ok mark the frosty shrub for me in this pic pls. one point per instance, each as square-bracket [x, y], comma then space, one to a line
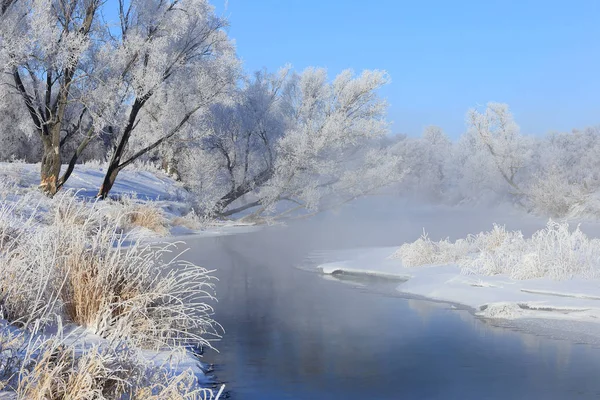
[424, 251]
[553, 252]
[489, 241]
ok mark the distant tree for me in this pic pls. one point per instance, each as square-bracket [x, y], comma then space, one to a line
[16, 128]
[565, 174]
[427, 158]
[496, 131]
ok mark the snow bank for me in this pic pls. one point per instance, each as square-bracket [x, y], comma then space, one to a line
[74, 363]
[437, 271]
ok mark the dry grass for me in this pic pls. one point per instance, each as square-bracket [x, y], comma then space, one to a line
[149, 217]
[132, 214]
[82, 269]
[76, 265]
[53, 368]
[26, 283]
[131, 292]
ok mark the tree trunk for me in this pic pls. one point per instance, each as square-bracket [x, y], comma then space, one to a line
[75, 157]
[115, 162]
[50, 168]
[244, 189]
[109, 181]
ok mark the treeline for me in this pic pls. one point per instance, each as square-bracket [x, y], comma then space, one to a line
[555, 175]
[163, 84]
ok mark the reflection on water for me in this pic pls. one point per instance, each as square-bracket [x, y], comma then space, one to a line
[290, 334]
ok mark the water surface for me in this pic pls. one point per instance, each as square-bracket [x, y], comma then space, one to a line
[292, 334]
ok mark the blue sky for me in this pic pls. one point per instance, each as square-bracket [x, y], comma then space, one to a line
[540, 57]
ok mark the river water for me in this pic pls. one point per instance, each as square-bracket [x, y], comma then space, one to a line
[293, 334]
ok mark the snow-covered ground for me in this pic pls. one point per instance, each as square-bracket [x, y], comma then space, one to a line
[137, 185]
[87, 179]
[489, 296]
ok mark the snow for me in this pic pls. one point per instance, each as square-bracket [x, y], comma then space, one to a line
[488, 296]
[140, 184]
[87, 179]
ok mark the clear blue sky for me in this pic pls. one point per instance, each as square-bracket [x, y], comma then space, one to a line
[540, 57]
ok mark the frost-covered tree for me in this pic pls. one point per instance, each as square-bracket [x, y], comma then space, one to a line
[323, 159]
[43, 43]
[87, 84]
[170, 61]
[297, 139]
[496, 132]
[427, 158]
[565, 178]
[238, 154]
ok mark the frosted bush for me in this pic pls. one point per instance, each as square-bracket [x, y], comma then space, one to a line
[496, 258]
[561, 254]
[488, 241]
[553, 252]
[424, 251]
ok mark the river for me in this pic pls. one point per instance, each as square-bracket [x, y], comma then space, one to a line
[292, 333]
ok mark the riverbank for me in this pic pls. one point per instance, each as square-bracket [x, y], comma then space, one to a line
[94, 298]
[568, 309]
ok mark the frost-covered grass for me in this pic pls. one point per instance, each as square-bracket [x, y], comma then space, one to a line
[81, 267]
[68, 261]
[56, 367]
[132, 214]
[554, 252]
